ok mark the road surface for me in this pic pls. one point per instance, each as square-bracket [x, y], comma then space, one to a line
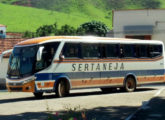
[115, 105]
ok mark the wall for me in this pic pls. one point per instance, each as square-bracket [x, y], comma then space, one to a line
[140, 17]
[8, 43]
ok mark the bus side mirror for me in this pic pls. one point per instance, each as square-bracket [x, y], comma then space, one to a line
[39, 53]
[61, 57]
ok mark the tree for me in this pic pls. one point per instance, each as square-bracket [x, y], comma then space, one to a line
[46, 30]
[94, 28]
[67, 30]
[28, 34]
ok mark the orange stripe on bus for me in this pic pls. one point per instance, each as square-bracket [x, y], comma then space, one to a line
[150, 79]
[76, 83]
[42, 39]
[115, 81]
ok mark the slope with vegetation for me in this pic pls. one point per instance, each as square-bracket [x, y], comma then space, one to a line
[20, 19]
[71, 12]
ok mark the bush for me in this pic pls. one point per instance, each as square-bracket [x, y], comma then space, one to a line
[46, 30]
[29, 34]
[67, 30]
[93, 28]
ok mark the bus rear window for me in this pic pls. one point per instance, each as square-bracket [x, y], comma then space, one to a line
[155, 50]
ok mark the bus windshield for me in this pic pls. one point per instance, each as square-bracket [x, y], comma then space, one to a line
[22, 61]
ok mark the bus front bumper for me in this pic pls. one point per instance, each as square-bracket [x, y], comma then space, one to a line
[19, 87]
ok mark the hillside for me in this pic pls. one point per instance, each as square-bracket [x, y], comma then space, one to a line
[20, 19]
[22, 15]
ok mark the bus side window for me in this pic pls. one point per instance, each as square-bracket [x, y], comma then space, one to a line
[144, 51]
[90, 51]
[47, 55]
[127, 51]
[103, 51]
[71, 50]
[155, 50]
[112, 51]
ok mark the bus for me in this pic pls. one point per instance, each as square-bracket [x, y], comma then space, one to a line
[61, 63]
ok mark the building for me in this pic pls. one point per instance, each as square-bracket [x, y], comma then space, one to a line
[2, 31]
[141, 24]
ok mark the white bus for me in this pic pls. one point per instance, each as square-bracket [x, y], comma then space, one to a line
[60, 63]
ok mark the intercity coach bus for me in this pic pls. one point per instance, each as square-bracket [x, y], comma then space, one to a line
[60, 63]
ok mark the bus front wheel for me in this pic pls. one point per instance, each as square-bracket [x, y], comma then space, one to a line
[62, 89]
[130, 84]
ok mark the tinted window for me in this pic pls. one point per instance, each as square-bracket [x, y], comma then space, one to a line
[112, 51]
[127, 50]
[90, 51]
[143, 51]
[155, 50]
[71, 50]
[47, 55]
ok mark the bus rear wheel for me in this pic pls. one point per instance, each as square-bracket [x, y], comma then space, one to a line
[38, 95]
[62, 89]
[130, 84]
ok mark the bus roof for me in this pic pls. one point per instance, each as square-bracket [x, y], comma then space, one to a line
[86, 39]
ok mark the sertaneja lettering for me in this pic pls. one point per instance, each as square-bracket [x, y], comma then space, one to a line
[97, 67]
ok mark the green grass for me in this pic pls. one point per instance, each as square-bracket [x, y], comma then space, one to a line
[71, 12]
[162, 3]
[20, 19]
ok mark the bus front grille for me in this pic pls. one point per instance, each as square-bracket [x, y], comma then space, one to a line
[15, 84]
[16, 88]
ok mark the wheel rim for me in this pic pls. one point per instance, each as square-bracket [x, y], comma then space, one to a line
[130, 84]
[61, 89]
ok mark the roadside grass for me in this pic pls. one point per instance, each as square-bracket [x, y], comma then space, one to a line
[21, 19]
[69, 113]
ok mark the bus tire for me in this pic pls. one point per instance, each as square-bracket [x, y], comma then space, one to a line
[130, 84]
[38, 95]
[62, 89]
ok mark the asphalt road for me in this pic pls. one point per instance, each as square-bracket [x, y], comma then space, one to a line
[115, 105]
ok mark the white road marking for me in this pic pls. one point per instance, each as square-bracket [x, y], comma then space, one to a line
[159, 92]
[145, 104]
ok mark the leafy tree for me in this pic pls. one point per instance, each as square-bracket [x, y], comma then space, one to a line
[94, 28]
[46, 30]
[28, 34]
[67, 30]
[80, 31]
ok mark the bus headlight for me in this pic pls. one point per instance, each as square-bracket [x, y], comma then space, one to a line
[29, 80]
